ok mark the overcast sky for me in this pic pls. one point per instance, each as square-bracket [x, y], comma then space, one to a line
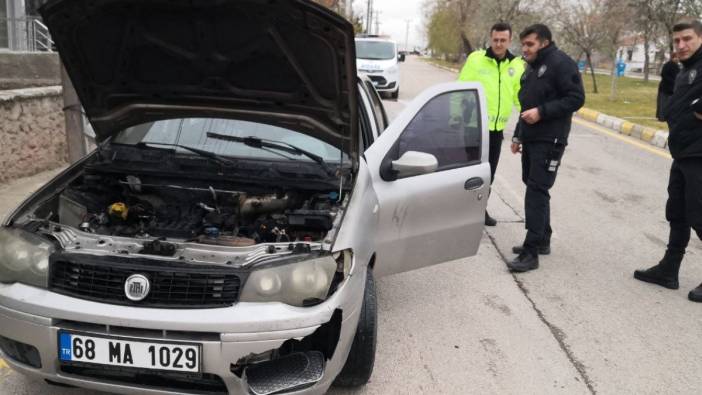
[393, 17]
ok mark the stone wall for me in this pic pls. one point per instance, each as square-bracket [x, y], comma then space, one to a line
[26, 70]
[32, 132]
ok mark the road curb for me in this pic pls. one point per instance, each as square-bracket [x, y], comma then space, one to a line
[658, 138]
[445, 68]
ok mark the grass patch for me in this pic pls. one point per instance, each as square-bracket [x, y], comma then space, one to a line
[635, 102]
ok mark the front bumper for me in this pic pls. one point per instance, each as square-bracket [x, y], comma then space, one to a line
[34, 317]
[383, 81]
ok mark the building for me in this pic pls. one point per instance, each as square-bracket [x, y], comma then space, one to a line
[21, 29]
[633, 53]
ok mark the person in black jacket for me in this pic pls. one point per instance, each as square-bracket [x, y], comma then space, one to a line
[684, 116]
[670, 70]
[551, 91]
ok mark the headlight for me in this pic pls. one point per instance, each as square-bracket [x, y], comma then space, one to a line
[24, 257]
[296, 284]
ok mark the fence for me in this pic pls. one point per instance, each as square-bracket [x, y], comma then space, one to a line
[25, 35]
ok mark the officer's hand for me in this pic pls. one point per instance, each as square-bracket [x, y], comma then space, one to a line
[516, 148]
[531, 116]
[698, 115]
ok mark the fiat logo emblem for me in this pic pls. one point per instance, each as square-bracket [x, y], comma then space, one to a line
[136, 287]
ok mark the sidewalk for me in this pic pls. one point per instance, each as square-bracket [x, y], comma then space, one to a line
[14, 192]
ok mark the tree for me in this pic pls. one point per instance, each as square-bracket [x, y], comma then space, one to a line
[442, 28]
[583, 25]
[667, 12]
[619, 19]
[647, 24]
[466, 23]
[504, 10]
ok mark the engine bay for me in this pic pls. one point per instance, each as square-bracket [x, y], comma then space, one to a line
[149, 207]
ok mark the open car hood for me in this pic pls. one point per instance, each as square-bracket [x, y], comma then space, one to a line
[289, 63]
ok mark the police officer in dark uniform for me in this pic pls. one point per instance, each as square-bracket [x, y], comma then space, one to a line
[684, 116]
[551, 91]
[670, 71]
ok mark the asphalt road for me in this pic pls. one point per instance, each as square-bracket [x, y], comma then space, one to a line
[578, 325]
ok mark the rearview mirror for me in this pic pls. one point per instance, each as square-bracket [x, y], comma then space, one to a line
[401, 57]
[413, 163]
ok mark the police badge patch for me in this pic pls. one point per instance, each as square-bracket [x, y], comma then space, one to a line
[510, 71]
[542, 70]
[692, 76]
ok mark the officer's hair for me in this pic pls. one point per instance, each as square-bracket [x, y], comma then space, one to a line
[542, 32]
[501, 27]
[693, 24]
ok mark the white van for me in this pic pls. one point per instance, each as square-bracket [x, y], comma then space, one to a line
[377, 57]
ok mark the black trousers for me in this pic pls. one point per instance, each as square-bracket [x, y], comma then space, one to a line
[496, 138]
[684, 207]
[538, 180]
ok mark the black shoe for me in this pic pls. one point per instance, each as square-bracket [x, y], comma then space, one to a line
[665, 273]
[696, 294]
[660, 275]
[524, 262]
[489, 221]
[541, 250]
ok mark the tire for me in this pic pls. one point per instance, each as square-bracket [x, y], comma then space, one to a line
[359, 365]
[395, 94]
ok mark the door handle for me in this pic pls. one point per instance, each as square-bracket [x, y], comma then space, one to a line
[473, 184]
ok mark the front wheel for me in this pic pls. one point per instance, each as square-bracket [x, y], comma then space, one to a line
[359, 364]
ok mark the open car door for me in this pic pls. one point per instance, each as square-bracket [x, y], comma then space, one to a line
[431, 175]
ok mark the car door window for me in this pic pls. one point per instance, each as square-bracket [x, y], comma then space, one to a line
[448, 127]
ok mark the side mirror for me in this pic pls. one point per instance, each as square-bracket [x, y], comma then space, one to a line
[413, 163]
[401, 57]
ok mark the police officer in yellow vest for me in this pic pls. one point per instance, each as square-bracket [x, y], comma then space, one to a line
[500, 72]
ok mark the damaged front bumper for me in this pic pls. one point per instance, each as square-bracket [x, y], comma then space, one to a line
[246, 348]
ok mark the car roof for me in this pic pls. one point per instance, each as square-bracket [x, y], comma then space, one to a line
[375, 39]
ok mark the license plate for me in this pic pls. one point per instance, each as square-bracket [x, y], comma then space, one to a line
[129, 353]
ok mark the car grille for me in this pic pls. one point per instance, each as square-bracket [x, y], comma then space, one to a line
[193, 383]
[172, 285]
[378, 79]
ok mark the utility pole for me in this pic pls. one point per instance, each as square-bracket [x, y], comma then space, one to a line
[377, 21]
[369, 16]
[407, 35]
[75, 139]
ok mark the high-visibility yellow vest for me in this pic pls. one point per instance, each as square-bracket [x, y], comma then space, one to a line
[501, 82]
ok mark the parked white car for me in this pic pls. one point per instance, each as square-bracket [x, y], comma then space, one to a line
[379, 59]
[246, 190]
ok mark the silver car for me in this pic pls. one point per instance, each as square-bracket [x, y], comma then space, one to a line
[246, 190]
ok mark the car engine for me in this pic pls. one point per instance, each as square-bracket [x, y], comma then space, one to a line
[192, 211]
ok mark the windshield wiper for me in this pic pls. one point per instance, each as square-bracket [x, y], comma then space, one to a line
[256, 142]
[203, 153]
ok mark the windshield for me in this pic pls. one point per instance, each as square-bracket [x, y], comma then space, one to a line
[192, 132]
[375, 50]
